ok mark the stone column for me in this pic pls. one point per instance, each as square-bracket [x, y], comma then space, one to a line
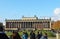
[30, 24]
[16, 24]
[20, 25]
[25, 24]
[9, 25]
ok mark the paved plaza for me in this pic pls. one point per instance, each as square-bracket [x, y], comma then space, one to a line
[52, 38]
[49, 38]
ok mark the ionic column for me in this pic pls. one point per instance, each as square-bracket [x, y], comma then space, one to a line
[9, 25]
[20, 25]
[30, 25]
[25, 24]
[16, 24]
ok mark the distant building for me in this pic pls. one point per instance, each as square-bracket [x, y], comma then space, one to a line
[28, 23]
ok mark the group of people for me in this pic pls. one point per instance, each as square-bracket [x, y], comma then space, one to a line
[25, 35]
[34, 36]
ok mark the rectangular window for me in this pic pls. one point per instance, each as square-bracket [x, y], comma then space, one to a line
[46, 25]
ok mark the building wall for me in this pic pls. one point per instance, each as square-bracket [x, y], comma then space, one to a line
[25, 25]
[29, 24]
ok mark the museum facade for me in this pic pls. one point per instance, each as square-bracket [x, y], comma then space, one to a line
[28, 23]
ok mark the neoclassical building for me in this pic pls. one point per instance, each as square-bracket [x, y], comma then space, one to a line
[28, 23]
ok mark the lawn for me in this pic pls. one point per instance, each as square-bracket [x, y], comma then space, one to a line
[50, 34]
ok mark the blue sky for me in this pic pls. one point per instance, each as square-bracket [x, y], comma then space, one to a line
[15, 9]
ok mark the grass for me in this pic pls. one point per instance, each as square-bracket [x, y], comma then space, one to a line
[50, 34]
[8, 33]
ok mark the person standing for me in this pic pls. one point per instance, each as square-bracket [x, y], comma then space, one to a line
[39, 35]
[24, 36]
[32, 35]
[15, 36]
[44, 36]
[2, 33]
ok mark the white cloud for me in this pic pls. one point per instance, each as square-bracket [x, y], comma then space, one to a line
[57, 11]
[55, 18]
[56, 15]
